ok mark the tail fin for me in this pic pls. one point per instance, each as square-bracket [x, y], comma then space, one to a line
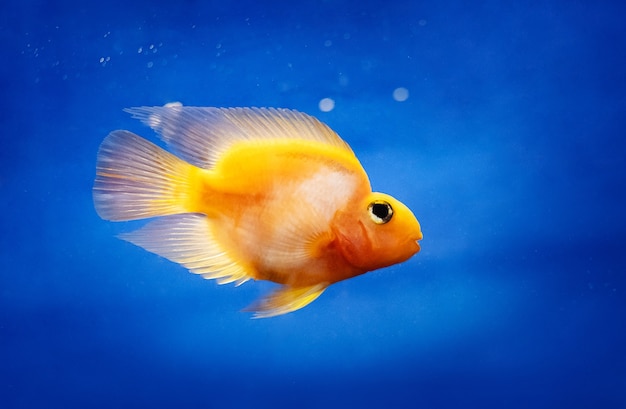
[136, 179]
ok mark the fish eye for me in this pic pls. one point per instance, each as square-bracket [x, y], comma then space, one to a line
[380, 211]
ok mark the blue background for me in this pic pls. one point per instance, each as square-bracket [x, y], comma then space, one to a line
[510, 150]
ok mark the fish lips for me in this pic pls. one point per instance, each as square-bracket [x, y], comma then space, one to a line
[416, 241]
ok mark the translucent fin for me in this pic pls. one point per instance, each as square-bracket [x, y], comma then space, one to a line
[201, 135]
[135, 179]
[286, 299]
[187, 240]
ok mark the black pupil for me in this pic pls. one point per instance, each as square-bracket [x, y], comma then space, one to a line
[380, 210]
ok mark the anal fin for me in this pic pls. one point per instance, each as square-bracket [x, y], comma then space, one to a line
[186, 239]
[286, 299]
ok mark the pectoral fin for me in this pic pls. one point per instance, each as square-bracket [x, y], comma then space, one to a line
[286, 299]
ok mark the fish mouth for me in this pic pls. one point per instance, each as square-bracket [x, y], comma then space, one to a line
[419, 237]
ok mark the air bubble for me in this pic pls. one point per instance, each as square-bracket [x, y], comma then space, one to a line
[327, 104]
[400, 94]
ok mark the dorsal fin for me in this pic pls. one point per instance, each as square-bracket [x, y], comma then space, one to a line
[200, 135]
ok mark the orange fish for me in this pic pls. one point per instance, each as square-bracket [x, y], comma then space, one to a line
[267, 194]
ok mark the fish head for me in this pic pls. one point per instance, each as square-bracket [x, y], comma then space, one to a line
[380, 232]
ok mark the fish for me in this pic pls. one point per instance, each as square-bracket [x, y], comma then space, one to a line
[252, 193]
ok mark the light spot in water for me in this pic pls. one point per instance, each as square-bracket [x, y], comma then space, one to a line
[327, 104]
[343, 80]
[104, 60]
[400, 94]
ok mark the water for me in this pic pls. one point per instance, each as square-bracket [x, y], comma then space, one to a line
[501, 126]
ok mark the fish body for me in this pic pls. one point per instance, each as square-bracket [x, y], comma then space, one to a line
[252, 193]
